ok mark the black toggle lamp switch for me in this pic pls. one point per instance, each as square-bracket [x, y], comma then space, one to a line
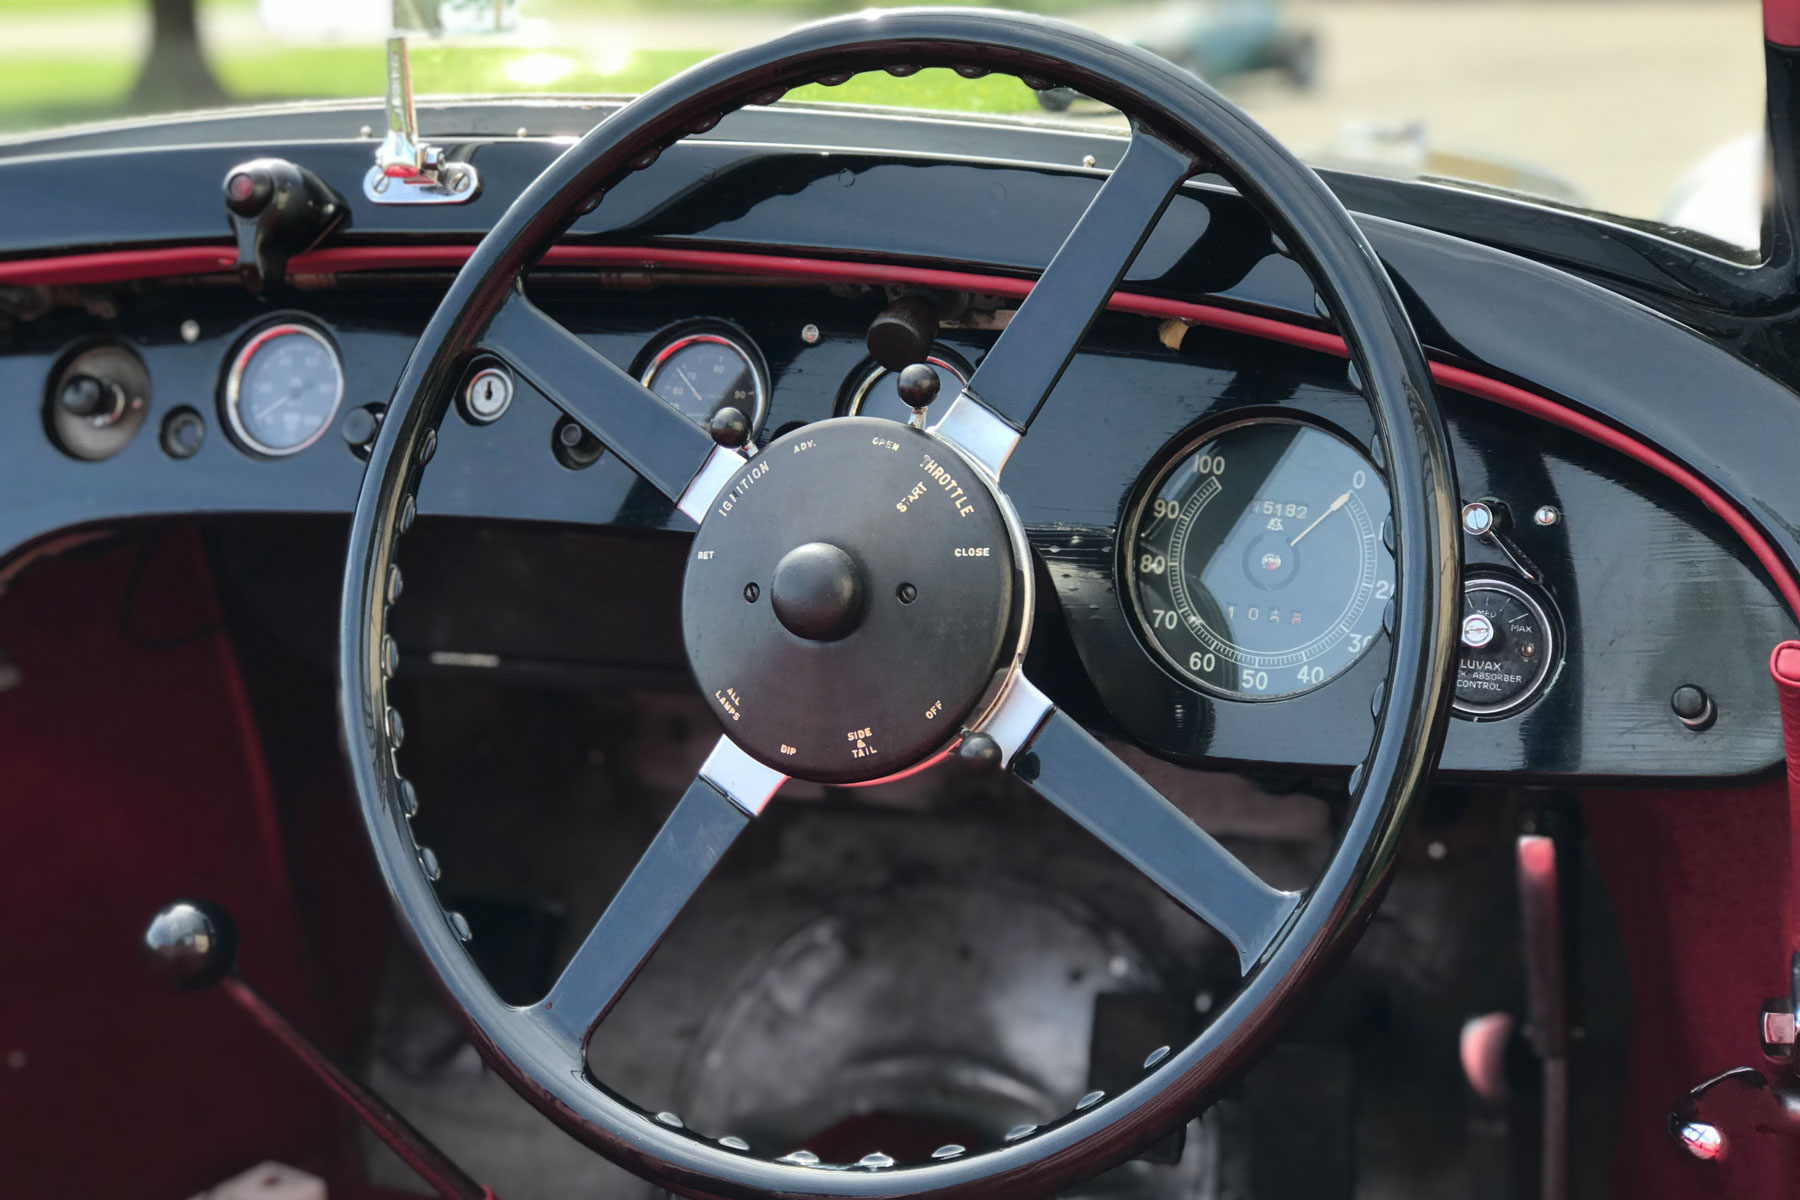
[277, 210]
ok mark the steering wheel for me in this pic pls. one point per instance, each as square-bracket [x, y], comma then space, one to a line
[858, 599]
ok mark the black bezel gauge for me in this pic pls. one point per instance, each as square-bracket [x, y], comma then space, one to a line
[283, 390]
[704, 370]
[1509, 648]
[1256, 559]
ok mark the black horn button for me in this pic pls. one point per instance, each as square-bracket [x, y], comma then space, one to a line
[849, 599]
[817, 592]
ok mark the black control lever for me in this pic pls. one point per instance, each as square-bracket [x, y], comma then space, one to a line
[904, 331]
[277, 210]
[192, 945]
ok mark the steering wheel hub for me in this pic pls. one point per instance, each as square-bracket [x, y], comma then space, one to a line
[818, 592]
[849, 600]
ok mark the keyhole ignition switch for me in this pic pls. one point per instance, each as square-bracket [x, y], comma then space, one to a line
[489, 392]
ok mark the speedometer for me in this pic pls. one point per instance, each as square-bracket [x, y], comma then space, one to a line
[1257, 560]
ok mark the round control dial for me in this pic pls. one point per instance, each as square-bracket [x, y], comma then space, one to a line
[849, 641]
[283, 390]
[1508, 648]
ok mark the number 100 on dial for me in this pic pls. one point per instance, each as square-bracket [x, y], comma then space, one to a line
[1257, 564]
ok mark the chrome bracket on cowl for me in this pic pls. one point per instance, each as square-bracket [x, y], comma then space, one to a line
[1746, 1100]
[407, 169]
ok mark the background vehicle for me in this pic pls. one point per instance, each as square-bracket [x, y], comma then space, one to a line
[1220, 41]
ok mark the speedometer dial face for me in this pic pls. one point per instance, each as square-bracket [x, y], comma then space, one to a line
[283, 389]
[701, 373]
[1257, 559]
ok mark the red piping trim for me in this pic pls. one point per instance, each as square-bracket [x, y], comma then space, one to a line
[1781, 22]
[113, 266]
[116, 265]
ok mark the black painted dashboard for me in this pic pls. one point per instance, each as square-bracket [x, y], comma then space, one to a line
[1646, 589]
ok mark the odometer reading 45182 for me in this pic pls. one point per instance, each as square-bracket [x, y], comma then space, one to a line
[1256, 559]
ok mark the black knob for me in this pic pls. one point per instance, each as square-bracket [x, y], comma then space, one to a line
[904, 332]
[729, 427]
[817, 592]
[248, 189]
[359, 427]
[574, 447]
[919, 385]
[191, 944]
[98, 400]
[183, 432]
[1693, 707]
[979, 752]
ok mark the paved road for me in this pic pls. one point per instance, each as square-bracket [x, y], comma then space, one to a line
[1616, 97]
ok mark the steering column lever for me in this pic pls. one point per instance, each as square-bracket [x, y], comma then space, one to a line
[1541, 918]
[192, 945]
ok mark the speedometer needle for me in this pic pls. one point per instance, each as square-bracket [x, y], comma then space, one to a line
[1335, 505]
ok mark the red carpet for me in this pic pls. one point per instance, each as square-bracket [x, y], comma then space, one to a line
[130, 776]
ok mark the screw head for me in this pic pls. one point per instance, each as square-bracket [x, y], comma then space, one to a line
[751, 592]
[809, 334]
[1547, 515]
[1477, 518]
[906, 593]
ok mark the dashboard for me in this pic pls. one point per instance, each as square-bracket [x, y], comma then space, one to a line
[1207, 503]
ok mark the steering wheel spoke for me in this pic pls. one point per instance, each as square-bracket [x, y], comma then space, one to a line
[1063, 763]
[730, 790]
[676, 457]
[1018, 373]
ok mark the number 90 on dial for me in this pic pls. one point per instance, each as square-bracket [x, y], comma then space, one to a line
[1256, 561]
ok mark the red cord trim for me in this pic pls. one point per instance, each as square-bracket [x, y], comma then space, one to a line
[1781, 22]
[118, 265]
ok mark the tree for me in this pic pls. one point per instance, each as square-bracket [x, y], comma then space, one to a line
[175, 73]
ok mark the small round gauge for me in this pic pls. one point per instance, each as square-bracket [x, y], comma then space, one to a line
[283, 389]
[1256, 559]
[700, 373]
[1508, 647]
[877, 393]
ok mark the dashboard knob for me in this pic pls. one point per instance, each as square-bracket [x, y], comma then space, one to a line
[191, 944]
[918, 387]
[979, 753]
[100, 401]
[729, 427]
[248, 190]
[903, 333]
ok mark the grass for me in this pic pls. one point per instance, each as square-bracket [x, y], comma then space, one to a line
[42, 90]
